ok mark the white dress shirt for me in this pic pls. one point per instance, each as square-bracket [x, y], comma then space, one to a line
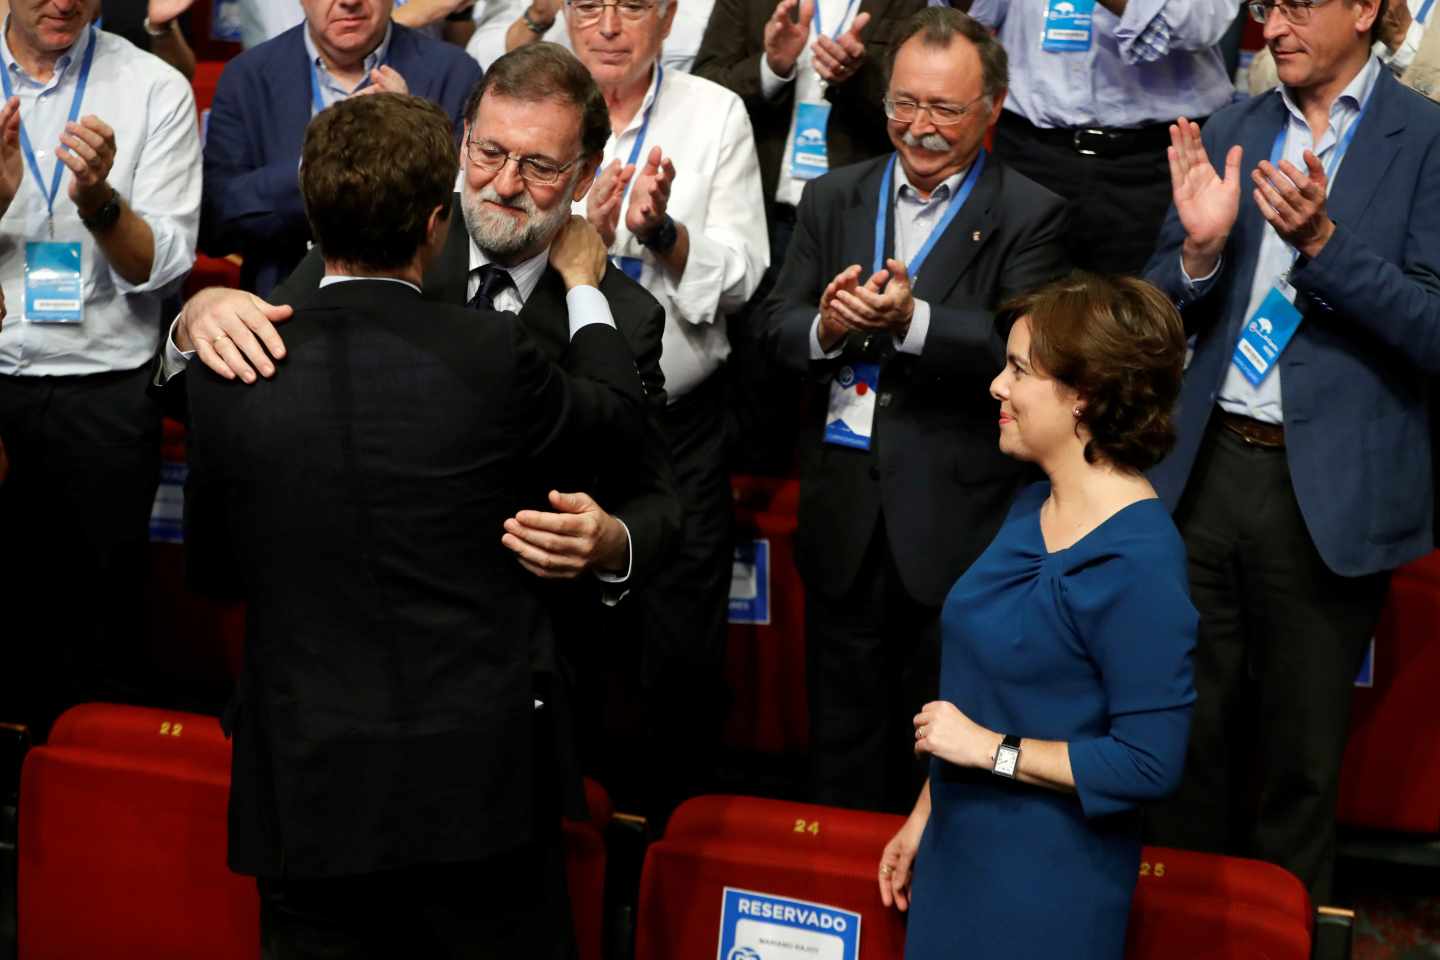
[156, 170]
[584, 305]
[916, 217]
[704, 130]
[494, 17]
[809, 88]
[1275, 256]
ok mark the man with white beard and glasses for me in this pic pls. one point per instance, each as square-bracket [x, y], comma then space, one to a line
[535, 130]
[885, 305]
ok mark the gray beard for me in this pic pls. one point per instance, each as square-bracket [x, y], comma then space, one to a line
[931, 141]
[496, 234]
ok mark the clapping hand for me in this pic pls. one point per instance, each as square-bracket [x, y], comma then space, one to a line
[1206, 204]
[651, 195]
[883, 304]
[385, 79]
[602, 208]
[162, 12]
[837, 60]
[12, 167]
[1294, 204]
[88, 149]
[785, 37]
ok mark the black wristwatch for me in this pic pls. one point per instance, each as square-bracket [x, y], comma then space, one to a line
[1007, 757]
[536, 28]
[664, 237]
[106, 217]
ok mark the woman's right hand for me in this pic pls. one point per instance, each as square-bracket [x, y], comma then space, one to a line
[898, 859]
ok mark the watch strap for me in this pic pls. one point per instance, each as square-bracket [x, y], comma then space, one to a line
[1010, 743]
[106, 216]
[664, 237]
[535, 27]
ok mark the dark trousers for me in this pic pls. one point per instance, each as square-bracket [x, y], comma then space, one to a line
[872, 659]
[1281, 639]
[1116, 203]
[684, 609]
[74, 520]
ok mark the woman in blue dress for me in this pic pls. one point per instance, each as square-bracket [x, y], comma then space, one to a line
[1065, 683]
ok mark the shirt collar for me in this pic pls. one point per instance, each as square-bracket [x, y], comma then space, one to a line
[76, 51]
[1356, 92]
[372, 60]
[942, 192]
[338, 278]
[526, 275]
[650, 94]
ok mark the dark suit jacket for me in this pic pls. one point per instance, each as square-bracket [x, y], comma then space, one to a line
[934, 471]
[730, 55]
[1355, 378]
[384, 716]
[639, 490]
[251, 203]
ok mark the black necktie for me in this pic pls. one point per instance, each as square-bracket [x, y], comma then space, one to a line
[493, 280]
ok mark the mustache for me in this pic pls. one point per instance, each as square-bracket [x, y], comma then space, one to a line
[931, 141]
[522, 201]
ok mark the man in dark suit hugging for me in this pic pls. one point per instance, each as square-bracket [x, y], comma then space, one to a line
[393, 785]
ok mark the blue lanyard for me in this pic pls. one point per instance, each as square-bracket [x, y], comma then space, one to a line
[956, 202]
[1424, 11]
[29, 151]
[644, 127]
[1342, 146]
[820, 30]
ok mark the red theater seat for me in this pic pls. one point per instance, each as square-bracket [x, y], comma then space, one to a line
[123, 857]
[1219, 908]
[817, 854]
[1391, 775]
[585, 871]
[144, 733]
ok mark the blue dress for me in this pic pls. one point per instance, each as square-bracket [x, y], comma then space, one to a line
[1089, 645]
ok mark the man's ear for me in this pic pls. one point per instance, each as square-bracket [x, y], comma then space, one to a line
[1366, 13]
[667, 21]
[589, 167]
[996, 103]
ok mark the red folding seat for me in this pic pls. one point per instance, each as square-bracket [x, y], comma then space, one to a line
[143, 733]
[123, 857]
[585, 871]
[1391, 774]
[765, 661]
[818, 856]
[1218, 908]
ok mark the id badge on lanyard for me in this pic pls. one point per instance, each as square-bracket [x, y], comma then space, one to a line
[632, 266]
[1069, 26]
[809, 156]
[53, 274]
[1269, 330]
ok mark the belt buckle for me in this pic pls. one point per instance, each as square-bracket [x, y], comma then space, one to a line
[1083, 133]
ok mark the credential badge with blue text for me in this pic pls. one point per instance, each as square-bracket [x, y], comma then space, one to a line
[53, 283]
[808, 156]
[758, 926]
[750, 583]
[850, 420]
[1068, 26]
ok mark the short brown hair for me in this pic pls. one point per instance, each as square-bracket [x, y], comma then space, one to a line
[547, 71]
[937, 26]
[1120, 343]
[372, 169]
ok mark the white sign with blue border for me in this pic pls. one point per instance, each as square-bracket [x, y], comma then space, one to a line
[750, 583]
[759, 926]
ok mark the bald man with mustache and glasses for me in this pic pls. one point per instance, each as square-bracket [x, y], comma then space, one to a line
[885, 305]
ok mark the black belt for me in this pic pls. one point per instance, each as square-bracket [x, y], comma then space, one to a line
[1256, 433]
[1094, 141]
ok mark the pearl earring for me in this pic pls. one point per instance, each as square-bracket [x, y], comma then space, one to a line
[1076, 411]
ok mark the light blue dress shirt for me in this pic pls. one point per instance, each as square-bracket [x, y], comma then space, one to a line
[1157, 62]
[332, 90]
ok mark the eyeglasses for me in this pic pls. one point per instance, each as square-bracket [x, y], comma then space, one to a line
[536, 170]
[585, 12]
[1295, 11]
[905, 110]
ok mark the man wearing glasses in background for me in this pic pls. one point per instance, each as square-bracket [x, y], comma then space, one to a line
[1302, 472]
[885, 305]
[676, 201]
[1095, 86]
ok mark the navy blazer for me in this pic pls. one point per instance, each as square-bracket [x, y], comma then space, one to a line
[1356, 376]
[251, 204]
[934, 471]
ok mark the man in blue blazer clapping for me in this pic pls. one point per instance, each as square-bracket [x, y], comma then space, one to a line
[1309, 276]
[267, 96]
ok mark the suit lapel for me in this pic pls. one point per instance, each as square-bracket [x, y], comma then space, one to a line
[290, 100]
[1257, 140]
[966, 235]
[1374, 148]
[546, 315]
[446, 280]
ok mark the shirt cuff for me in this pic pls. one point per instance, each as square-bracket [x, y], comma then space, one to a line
[771, 83]
[1197, 285]
[587, 305]
[914, 340]
[817, 352]
[173, 360]
[629, 560]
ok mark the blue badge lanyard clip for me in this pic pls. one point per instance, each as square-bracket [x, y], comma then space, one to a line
[29, 151]
[882, 207]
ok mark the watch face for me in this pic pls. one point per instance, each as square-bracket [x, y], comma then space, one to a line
[1005, 760]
